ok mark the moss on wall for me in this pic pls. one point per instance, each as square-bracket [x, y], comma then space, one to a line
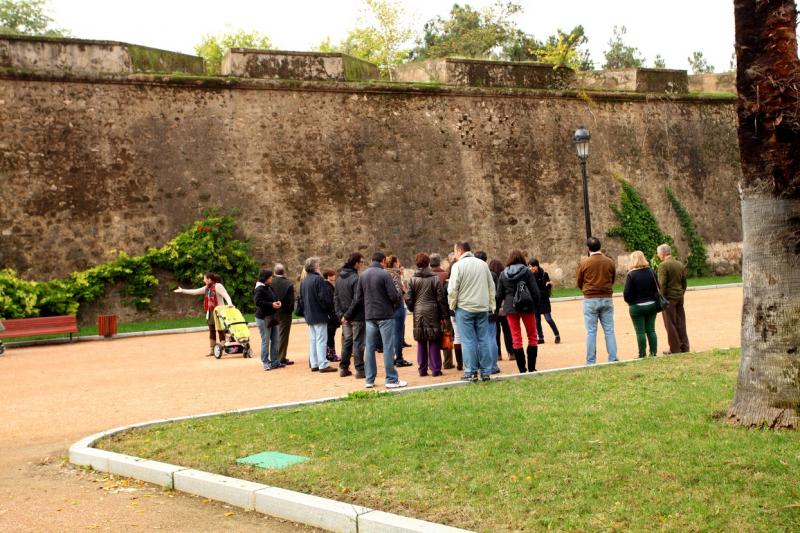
[144, 59]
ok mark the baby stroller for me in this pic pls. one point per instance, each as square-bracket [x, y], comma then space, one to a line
[237, 334]
[2, 346]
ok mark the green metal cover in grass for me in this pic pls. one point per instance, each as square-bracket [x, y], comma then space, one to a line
[272, 460]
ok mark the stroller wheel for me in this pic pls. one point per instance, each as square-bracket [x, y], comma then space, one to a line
[2, 348]
[218, 350]
[247, 352]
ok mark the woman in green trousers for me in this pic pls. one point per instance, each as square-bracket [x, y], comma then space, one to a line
[641, 295]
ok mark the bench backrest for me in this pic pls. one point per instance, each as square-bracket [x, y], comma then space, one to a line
[19, 327]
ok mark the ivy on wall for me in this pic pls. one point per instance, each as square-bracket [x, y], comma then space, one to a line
[696, 263]
[637, 226]
[209, 245]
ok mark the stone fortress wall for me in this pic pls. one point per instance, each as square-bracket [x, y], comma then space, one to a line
[93, 161]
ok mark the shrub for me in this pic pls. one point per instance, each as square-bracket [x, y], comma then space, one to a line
[697, 262]
[209, 244]
[637, 224]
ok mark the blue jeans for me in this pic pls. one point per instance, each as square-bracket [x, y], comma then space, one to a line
[494, 348]
[269, 343]
[601, 309]
[384, 328]
[399, 332]
[318, 344]
[473, 328]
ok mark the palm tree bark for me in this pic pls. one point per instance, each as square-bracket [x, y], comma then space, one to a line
[768, 83]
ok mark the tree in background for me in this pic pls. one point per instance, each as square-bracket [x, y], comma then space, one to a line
[468, 32]
[566, 50]
[380, 38]
[659, 62]
[768, 71]
[213, 48]
[698, 64]
[27, 17]
[620, 55]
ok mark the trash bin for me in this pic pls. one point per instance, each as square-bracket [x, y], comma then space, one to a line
[107, 325]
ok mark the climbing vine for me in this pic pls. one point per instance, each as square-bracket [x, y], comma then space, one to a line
[637, 226]
[696, 262]
[209, 244]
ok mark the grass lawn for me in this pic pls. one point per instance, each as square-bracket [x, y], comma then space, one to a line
[693, 282]
[635, 447]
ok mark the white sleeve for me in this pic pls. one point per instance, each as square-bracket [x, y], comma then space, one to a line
[224, 293]
[200, 291]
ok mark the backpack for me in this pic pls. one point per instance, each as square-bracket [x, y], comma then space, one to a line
[523, 301]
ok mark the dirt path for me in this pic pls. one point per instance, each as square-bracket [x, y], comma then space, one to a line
[51, 396]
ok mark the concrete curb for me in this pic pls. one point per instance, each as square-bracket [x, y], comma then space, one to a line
[324, 513]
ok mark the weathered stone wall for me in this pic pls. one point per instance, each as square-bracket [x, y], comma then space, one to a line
[723, 82]
[92, 165]
[642, 80]
[58, 55]
[482, 73]
[247, 63]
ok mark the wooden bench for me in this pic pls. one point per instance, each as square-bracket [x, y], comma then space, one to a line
[46, 325]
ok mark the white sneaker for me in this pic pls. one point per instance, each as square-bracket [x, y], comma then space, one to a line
[396, 385]
[369, 385]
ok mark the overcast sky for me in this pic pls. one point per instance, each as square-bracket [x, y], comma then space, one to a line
[672, 28]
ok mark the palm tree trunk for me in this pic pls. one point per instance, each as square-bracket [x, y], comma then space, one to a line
[768, 83]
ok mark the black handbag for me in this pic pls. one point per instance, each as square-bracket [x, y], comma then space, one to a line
[661, 301]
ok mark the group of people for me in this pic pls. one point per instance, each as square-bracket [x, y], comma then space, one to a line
[645, 293]
[460, 309]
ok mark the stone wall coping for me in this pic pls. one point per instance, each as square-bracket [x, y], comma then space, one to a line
[87, 42]
[268, 52]
[372, 87]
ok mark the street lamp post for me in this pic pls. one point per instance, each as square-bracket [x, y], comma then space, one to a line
[581, 141]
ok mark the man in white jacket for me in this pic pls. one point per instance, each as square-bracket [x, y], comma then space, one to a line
[471, 294]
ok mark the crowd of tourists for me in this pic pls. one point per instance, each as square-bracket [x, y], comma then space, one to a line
[461, 306]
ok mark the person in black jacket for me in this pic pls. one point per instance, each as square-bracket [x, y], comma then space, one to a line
[329, 275]
[353, 330]
[378, 294]
[515, 281]
[284, 291]
[317, 308]
[641, 295]
[267, 304]
[545, 288]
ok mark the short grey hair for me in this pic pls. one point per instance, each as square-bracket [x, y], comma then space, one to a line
[664, 249]
[311, 264]
[436, 260]
[279, 269]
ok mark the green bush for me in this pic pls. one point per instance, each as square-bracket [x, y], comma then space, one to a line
[637, 227]
[209, 244]
[696, 263]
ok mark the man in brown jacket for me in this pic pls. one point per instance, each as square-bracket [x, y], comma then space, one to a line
[595, 276]
[672, 282]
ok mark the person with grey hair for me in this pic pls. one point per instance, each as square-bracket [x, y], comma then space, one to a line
[284, 291]
[317, 307]
[672, 283]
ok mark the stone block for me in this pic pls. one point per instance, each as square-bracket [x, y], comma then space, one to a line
[143, 469]
[723, 82]
[84, 456]
[484, 73]
[312, 66]
[323, 513]
[221, 488]
[380, 522]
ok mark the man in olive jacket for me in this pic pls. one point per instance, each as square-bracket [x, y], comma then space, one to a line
[672, 282]
[595, 277]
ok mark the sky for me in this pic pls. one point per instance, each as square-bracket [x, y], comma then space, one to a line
[674, 29]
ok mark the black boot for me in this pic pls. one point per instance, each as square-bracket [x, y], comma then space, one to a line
[533, 352]
[459, 357]
[519, 355]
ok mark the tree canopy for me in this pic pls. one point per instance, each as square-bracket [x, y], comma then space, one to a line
[698, 64]
[620, 55]
[213, 48]
[27, 17]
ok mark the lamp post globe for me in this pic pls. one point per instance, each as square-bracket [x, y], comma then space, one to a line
[581, 142]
